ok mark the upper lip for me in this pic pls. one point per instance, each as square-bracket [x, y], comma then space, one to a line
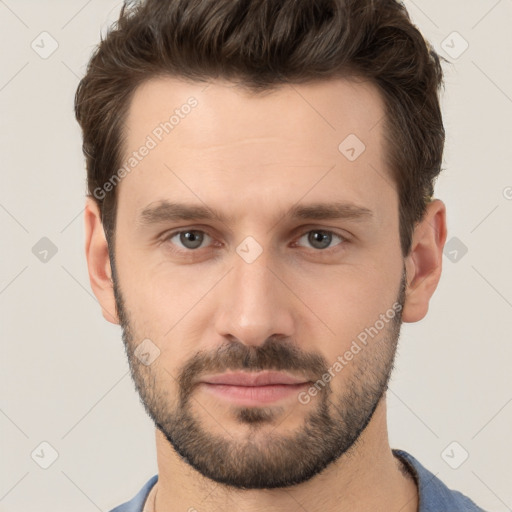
[265, 378]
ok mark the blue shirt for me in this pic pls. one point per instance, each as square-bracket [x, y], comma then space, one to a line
[434, 496]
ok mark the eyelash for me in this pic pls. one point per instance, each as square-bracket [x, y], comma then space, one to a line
[185, 251]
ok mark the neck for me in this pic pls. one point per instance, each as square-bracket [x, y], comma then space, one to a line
[367, 478]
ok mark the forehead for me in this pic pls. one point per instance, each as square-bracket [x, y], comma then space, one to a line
[229, 113]
[211, 140]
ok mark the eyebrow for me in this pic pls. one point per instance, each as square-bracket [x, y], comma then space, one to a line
[165, 211]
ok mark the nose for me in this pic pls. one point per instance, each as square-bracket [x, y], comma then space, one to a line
[255, 303]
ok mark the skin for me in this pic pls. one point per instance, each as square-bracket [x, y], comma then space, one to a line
[253, 157]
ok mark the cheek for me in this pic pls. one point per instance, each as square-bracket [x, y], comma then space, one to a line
[166, 307]
[349, 299]
[350, 306]
[157, 294]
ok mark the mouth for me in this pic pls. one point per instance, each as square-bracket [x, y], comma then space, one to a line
[251, 388]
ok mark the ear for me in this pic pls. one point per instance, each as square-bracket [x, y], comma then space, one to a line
[424, 262]
[98, 261]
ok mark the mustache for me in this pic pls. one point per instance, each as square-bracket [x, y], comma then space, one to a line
[274, 354]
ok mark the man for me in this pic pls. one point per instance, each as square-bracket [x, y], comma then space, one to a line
[260, 222]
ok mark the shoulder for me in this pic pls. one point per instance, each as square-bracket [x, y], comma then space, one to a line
[136, 504]
[434, 495]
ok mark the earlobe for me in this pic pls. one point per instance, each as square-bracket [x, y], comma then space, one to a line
[98, 261]
[424, 262]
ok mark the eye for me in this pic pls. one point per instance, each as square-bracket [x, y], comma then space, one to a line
[321, 239]
[190, 239]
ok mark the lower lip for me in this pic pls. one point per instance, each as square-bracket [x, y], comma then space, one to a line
[254, 395]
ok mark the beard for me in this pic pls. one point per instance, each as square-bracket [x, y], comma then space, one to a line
[272, 460]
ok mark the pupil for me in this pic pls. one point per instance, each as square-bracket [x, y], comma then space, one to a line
[320, 236]
[191, 237]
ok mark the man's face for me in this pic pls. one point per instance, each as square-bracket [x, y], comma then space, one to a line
[259, 289]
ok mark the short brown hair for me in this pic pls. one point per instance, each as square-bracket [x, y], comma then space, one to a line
[261, 44]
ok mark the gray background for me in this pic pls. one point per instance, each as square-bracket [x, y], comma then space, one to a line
[64, 377]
